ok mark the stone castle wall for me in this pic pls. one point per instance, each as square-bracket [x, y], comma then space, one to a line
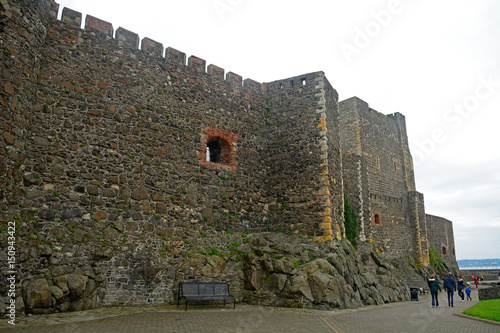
[104, 168]
[440, 231]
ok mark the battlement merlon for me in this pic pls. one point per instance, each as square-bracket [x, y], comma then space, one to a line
[127, 38]
[71, 17]
[197, 64]
[93, 23]
[175, 56]
[152, 47]
[216, 71]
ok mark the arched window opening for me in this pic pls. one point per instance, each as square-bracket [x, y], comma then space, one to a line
[444, 250]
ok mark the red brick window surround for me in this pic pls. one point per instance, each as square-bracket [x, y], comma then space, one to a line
[218, 149]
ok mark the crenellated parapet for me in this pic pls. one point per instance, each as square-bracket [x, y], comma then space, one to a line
[129, 39]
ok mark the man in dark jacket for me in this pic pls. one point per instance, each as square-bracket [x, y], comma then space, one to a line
[433, 288]
[450, 286]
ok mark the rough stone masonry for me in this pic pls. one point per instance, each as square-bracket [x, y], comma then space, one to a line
[124, 170]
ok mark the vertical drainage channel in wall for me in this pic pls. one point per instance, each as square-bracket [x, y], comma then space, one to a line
[324, 191]
[362, 235]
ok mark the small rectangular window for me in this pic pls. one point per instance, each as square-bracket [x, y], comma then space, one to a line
[303, 80]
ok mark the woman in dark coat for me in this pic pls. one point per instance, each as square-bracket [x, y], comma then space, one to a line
[433, 288]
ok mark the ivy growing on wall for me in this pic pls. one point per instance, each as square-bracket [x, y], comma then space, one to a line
[435, 259]
[350, 223]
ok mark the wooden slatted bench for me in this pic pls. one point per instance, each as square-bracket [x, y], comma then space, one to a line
[204, 291]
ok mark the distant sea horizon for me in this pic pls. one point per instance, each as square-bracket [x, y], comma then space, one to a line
[465, 264]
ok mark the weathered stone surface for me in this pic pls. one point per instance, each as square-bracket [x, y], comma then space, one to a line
[141, 193]
[57, 293]
[76, 284]
[36, 294]
[67, 213]
[62, 283]
[330, 278]
[104, 169]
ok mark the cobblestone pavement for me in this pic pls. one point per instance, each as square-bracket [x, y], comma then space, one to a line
[395, 317]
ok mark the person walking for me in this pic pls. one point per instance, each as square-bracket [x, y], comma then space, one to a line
[460, 288]
[468, 291]
[476, 282]
[434, 287]
[449, 286]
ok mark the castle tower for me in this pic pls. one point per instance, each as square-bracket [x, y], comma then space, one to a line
[379, 178]
[304, 147]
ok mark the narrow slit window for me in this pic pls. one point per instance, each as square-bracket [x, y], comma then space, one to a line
[303, 80]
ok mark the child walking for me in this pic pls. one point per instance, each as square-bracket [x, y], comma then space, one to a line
[467, 291]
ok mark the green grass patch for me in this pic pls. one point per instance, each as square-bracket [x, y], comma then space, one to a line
[488, 309]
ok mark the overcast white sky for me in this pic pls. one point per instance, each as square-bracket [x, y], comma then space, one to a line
[436, 62]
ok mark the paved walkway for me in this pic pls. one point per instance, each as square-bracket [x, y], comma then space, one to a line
[395, 317]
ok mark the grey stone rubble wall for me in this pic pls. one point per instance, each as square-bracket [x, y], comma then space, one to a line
[103, 170]
[492, 292]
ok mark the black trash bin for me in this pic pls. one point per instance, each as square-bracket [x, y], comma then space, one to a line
[414, 291]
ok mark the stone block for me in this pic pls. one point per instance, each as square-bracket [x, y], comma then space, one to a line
[36, 294]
